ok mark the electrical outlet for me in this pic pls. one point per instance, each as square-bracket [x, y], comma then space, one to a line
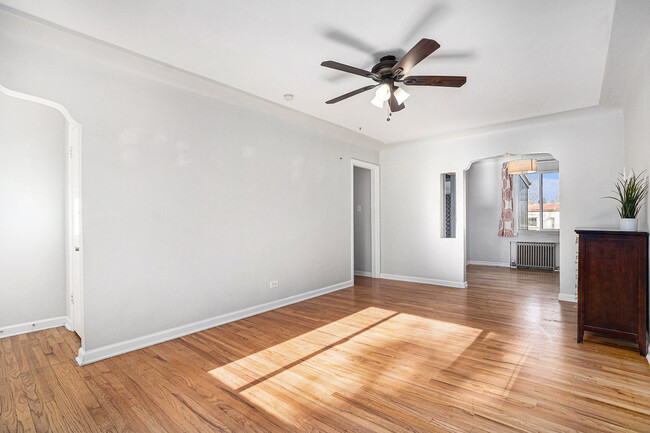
[274, 284]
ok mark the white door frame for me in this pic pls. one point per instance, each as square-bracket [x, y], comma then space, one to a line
[75, 232]
[374, 216]
[74, 252]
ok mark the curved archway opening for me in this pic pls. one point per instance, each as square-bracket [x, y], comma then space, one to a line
[512, 219]
[72, 217]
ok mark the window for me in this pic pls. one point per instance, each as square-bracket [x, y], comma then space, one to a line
[538, 201]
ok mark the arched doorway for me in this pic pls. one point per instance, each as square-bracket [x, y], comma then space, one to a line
[532, 240]
[72, 222]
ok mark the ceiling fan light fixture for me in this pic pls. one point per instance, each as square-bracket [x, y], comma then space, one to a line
[379, 103]
[401, 95]
[389, 71]
[383, 92]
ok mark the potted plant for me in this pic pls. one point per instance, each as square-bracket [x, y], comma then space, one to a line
[630, 192]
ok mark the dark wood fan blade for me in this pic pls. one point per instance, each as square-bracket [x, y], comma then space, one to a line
[394, 106]
[352, 93]
[434, 80]
[427, 20]
[351, 41]
[349, 69]
[415, 55]
[392, 102]
[462, 55]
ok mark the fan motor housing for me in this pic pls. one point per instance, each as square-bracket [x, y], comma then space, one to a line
[384, 67]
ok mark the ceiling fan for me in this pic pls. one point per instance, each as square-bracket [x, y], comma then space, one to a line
[390, 71]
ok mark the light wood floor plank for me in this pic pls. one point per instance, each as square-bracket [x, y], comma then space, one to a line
[382, 356]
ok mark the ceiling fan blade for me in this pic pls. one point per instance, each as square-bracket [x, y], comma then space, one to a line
[427, 19]
[415, 55]
[352, 93]
[434, 80]
[394, 106]
[349, 40]
[349, 69]
[392, 102]
[469, 55]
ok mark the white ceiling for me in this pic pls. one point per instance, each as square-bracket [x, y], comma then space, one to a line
[523, 58]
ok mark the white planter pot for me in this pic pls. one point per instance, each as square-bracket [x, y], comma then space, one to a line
[628, 224]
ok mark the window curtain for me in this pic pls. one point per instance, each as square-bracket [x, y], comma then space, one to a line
[507, 221]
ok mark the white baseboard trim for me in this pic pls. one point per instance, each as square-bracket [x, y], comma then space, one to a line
[68, 324]
[446, 283]
[648, 357]
[94, 355]
[363, 273]
[37, 325]
[482, 263]
[567, 297]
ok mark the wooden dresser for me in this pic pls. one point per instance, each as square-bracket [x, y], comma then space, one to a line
[613, 284]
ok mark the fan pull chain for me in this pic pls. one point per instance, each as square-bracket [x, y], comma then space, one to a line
[388, 113]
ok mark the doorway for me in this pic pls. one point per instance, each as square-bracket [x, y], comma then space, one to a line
[513, 213]
[365, 260]
[70, 216]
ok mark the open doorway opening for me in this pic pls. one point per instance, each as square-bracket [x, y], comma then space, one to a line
[40, 193]
[365, 260]
[513, 213]
[362, 223]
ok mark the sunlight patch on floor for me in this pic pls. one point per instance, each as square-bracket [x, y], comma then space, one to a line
[369, 353]
[274, 359]
[495, 374]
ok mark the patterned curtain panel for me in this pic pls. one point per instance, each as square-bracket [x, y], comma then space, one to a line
[507, 221]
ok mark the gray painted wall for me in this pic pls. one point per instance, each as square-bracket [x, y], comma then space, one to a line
[195, 196]
[32, 212]
[362, 232]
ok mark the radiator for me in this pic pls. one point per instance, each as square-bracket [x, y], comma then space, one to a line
[537, 255]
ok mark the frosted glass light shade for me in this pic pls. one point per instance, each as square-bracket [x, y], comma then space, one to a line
[401, 95]
[377, 102]
[383, 92]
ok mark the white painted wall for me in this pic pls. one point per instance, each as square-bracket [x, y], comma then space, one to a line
[483, 213]
[362, 214]
[195, 196]
[627, 85]
[32, 212]
[636, 111]
[484, 210]
[637, 131]
[587, 143]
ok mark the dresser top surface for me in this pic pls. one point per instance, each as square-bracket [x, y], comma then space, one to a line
[609, 231]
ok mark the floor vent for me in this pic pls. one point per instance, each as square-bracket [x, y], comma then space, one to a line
[536, 255]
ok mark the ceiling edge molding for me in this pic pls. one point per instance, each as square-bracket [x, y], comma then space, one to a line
[514, 124]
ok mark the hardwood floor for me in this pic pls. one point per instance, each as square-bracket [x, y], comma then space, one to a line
[381, 356]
